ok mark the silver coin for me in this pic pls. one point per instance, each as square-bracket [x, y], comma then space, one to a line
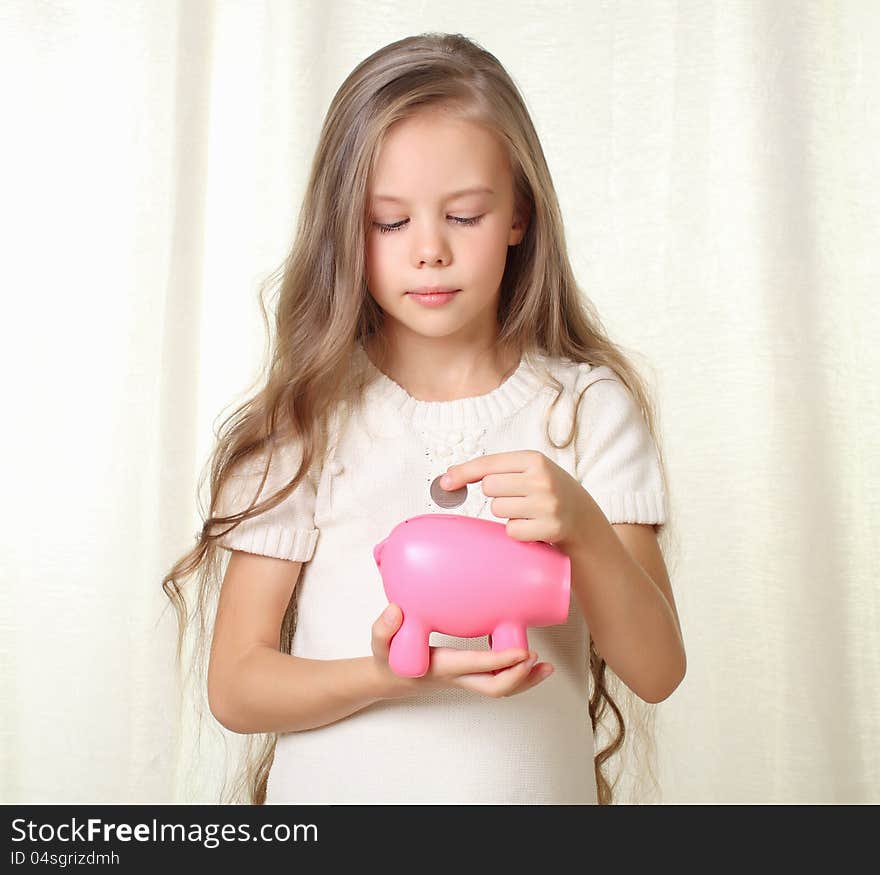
[445, 498]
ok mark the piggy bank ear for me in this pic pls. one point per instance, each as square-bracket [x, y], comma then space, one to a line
[377, 552]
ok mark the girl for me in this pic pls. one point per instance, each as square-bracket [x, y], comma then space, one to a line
[429, 323]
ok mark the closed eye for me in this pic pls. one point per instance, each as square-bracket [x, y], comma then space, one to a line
[384, 229]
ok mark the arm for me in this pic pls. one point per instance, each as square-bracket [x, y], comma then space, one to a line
[630, 612]
[252, 685]
[270, 691]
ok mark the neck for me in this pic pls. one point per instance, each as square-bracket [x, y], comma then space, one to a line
[439, 369]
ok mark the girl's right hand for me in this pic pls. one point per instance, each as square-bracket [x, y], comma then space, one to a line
[495, 674]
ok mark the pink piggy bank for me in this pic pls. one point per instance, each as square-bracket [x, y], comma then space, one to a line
[467, 577]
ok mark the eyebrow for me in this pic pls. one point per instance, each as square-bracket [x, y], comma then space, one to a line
[398, 200]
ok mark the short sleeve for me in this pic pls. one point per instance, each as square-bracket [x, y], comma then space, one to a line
[286, 531]
[616, 457]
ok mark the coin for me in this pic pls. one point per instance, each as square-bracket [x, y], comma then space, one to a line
[445, 498]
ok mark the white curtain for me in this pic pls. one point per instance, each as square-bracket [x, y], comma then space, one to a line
[716, 165]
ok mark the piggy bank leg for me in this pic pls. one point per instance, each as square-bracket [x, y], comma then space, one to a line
[508, 635]
[409, 654]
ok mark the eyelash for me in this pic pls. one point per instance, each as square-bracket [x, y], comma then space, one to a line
[396, 226]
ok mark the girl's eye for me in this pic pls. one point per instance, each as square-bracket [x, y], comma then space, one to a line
[384, 229]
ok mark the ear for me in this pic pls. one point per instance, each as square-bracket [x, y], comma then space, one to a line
[518, 230]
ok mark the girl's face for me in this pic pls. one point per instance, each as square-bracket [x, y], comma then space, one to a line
[438, 237]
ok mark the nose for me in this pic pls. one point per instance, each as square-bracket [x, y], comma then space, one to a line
[431, 247]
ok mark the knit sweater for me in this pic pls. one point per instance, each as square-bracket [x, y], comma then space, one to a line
[448, 745]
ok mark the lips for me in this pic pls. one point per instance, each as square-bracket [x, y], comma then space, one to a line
[432, 290]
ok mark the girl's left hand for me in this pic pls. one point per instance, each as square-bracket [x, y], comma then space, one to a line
[542, 501]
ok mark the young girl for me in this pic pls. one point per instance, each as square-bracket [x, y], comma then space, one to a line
[429, 323]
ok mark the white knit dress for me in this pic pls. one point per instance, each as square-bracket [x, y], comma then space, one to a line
[451, 746]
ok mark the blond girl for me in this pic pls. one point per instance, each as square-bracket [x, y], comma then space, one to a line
[428, 323]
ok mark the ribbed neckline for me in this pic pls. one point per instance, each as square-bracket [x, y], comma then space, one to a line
[491, 408]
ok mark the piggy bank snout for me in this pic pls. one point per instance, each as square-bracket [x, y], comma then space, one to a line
[377, 551]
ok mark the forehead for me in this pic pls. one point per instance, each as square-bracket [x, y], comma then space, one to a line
[437, 158]
[472, 190]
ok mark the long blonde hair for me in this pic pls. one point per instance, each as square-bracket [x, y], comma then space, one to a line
[324, 309]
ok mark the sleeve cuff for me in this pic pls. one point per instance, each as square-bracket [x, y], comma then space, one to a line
[296, 545]
[633, 507]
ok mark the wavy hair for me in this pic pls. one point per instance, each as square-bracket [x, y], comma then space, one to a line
[318, 321]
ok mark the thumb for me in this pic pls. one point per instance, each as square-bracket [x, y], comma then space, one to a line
[384, 629]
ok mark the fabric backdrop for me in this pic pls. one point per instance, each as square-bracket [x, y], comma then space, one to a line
[716, 166]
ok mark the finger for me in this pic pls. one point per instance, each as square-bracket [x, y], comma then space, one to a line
[453, 661]
[508, 679]
[498, 683]
[513, 507]
[515, 461]
[516, 683]
[539, 673]
[384, 628]
[505, 485]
